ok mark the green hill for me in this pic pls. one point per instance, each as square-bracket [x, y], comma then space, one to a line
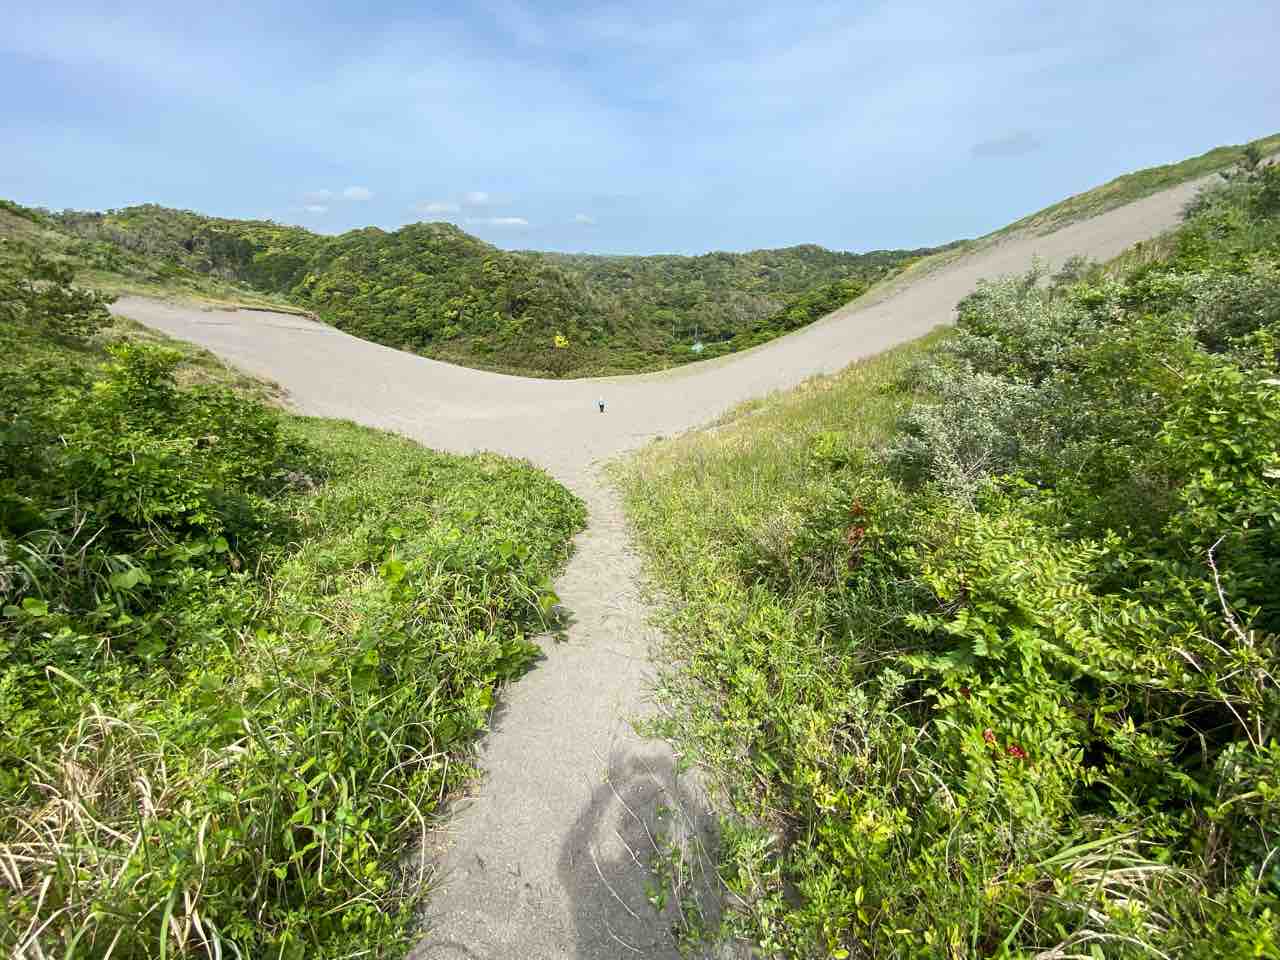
[432, 289]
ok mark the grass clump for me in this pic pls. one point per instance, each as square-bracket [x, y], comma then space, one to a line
[242, 654]
[979, 638]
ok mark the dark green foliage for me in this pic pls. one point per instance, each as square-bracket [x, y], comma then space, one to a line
[38, 294]
[797, 312]
[242, 655]
[432, 289]
[691, 308]
[1003, 683]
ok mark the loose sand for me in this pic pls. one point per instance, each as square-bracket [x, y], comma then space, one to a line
[544, 859]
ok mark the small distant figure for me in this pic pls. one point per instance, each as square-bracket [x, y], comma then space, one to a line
[600, 404]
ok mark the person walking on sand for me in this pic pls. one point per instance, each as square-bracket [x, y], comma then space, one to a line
[600, 404]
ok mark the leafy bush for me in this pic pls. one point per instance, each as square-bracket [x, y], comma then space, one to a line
[981, 640]
[38, 294]
[242, 656]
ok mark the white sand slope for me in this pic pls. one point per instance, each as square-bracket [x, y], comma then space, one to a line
[544, 859]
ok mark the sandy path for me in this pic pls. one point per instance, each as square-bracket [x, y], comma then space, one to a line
[542, 861]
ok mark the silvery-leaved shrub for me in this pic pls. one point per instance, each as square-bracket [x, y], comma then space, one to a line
[968, 434]
[1019, 328]
[1226, 306]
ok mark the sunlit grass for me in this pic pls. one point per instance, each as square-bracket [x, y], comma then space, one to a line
[749, 465]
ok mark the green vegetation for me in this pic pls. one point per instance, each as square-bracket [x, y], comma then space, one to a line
[432, 289]
[242, 654]
[112, 267]
[980, 638]
[1114, 193]
[1142, 183]
[694, 308]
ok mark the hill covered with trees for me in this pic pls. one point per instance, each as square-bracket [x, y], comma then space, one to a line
[432, 289]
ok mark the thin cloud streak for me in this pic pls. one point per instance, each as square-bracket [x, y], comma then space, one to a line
[1016, 144]
[435, 207]
[498, 221]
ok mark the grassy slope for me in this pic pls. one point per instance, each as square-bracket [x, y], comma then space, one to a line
[716, 513]
[252, 772]
[787, 680]
[1134, 186]
[107, 267]
[1114, 193]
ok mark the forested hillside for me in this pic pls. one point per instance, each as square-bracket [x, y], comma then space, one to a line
[981, 637]
[698, 307]
[431, 288]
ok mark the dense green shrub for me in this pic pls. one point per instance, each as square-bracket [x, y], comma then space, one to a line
[38, 295]
[242, 655]
[997, 678]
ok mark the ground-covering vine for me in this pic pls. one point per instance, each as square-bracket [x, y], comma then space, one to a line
[242, 654]
[979, 639]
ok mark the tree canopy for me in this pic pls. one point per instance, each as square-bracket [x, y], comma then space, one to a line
[433, 289]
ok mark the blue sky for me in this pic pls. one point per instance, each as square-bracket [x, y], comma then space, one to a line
[656, 127]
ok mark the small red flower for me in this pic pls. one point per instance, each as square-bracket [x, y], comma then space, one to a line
[964, 692]
[1016, 752]
[989, 736]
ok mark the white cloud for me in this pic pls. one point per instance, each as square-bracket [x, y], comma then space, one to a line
[317, 196]
[435, 207]
[358, 193]
[660, 136]
[476, 198]
[585, 220]
[498, 221]
[316, 208]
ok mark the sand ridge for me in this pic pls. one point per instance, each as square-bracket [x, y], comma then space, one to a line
[546, 858]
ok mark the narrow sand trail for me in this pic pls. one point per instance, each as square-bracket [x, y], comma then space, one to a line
[545, 860]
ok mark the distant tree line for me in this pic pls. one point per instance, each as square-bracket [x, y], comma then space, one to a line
[433, 289]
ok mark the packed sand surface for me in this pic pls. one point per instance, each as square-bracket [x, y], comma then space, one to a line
[546, 857]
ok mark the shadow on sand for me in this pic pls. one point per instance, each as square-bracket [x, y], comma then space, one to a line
[636, 867]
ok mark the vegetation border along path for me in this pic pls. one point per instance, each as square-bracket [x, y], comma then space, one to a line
[547, 861]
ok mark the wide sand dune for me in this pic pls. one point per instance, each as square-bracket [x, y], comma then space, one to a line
[545, 859]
